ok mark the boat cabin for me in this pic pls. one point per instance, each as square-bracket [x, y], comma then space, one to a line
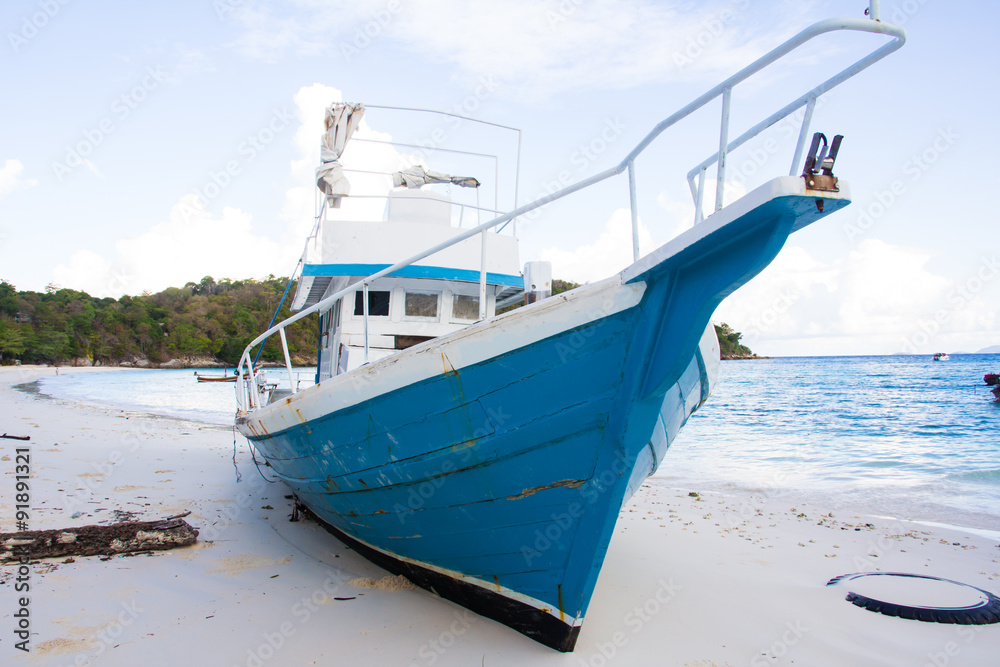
[435, 296]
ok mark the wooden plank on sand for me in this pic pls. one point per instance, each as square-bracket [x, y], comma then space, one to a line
[116, 538]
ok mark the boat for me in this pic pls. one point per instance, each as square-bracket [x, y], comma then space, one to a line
[942, 356]
[992, 380]
[225, 377]
[484, 453]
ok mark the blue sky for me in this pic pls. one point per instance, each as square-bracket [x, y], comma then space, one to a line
[119, 121]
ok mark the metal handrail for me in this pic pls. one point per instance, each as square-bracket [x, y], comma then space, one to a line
[250, 398]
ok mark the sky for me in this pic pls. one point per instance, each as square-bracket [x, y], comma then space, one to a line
[146, 145]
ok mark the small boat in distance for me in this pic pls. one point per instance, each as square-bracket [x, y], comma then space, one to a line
[942, 356]
[486, 456]
[225, 377]
[993, 380]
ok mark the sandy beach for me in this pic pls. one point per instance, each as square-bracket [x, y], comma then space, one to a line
[692, 578]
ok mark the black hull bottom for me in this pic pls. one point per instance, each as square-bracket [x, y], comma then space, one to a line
[529, 621]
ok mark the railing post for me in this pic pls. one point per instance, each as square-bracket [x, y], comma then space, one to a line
[874, 11]
[635, 211]
[482, 279]
[699, 204]
[720, 178]
[288, 360]
[365, 307]
[803, 133]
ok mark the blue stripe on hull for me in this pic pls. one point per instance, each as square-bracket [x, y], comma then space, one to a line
[412, 271]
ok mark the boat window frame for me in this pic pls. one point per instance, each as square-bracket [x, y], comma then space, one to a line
[454, 319]
[420, 318]
[359, 300]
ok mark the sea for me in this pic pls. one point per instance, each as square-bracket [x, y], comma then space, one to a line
[894, 436]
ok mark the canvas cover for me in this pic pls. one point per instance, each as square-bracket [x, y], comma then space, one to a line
[341, 120]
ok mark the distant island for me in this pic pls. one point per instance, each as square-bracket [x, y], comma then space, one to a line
[992, 349]
[730, 346]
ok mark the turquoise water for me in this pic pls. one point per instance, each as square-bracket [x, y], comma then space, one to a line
[167, 392]
[901, 436]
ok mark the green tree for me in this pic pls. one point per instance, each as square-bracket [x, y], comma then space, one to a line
[13, 340]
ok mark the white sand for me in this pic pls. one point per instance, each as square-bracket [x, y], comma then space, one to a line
[717, 579]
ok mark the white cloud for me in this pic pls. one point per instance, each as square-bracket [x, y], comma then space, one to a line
[532, 48]
[10, 178]
[879, 299]
[610, 253]
[192, 243]
[188, 245]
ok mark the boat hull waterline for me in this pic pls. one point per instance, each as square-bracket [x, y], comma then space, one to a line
[489, 466]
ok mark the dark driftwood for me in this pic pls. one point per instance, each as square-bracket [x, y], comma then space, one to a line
[117, 538]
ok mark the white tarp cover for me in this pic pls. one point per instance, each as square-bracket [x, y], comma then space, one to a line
[414, 177]
[341, 121]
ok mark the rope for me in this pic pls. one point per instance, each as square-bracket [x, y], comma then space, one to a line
[278, 309]
[239, 477]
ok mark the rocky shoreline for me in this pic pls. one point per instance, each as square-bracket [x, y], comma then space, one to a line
[178, 362]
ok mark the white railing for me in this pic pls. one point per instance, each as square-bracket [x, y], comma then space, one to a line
[250, 397]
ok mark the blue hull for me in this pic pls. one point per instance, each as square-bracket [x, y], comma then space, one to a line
[498, 483]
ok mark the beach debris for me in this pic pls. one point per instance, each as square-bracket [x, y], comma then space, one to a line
[942, 600]
[117, 538]
[15, 437]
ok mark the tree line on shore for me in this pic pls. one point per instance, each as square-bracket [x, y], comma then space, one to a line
[208, 319]
[204, 320]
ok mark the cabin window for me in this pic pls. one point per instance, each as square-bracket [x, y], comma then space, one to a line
[464, 307]
[423, 305]
[378, 303]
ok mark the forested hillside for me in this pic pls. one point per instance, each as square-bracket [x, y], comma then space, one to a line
[204, 321]
[200, 320]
